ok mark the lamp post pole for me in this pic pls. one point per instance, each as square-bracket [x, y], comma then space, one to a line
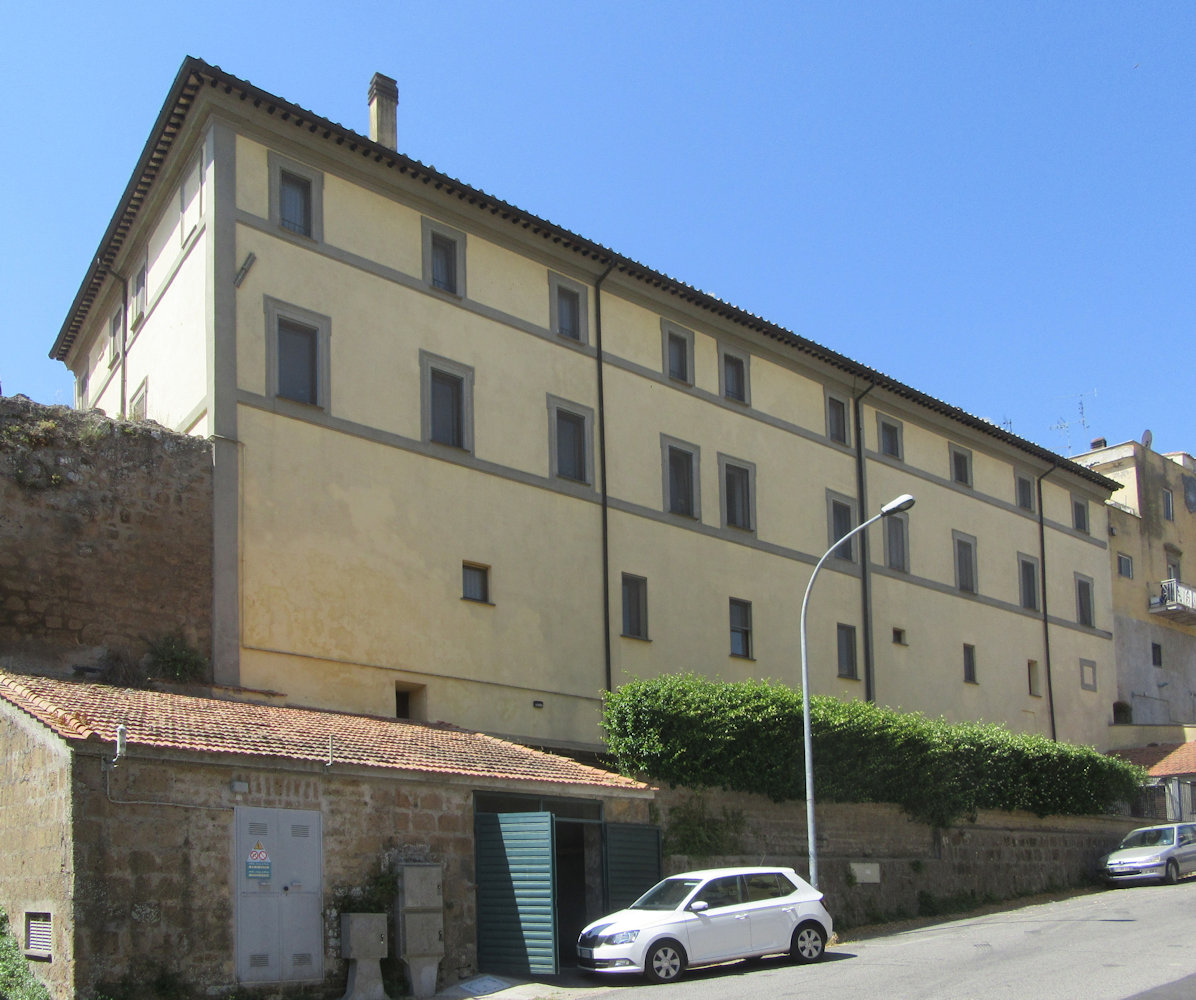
[903, 502]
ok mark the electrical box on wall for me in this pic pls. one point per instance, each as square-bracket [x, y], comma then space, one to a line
[421, 924]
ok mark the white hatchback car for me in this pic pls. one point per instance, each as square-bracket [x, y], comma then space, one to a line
[706, 917]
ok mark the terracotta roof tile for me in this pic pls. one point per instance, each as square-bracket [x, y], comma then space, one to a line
[81, 711]
[1163, 759]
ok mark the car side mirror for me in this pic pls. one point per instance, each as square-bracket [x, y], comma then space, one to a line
[698, 905]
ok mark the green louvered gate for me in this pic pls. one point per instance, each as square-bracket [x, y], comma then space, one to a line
[515, 872]
[631, 861]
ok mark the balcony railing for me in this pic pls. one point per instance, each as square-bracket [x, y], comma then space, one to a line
[1175, 601]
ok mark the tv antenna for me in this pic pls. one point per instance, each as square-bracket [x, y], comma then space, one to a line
[1065, 425]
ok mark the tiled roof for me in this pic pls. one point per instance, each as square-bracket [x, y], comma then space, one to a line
[1163, 760]
[83, 711]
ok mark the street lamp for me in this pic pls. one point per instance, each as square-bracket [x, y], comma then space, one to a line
[903, 502]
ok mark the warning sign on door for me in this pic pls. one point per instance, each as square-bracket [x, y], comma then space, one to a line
[257, 865]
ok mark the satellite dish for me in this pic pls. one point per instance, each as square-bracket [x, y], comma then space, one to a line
[1147, 438]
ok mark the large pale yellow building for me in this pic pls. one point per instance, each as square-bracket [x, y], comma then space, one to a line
[471, 466]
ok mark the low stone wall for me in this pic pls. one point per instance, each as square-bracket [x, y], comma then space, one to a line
[875, 863]
[105, 537]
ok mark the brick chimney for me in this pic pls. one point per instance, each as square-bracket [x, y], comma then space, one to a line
[384, 108]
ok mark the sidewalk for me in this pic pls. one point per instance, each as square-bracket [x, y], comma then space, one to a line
[569, 985]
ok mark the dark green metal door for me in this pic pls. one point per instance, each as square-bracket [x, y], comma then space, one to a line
[515, 876]
[632, 863]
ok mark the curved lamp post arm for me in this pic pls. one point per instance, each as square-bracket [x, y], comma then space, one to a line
[903, 502]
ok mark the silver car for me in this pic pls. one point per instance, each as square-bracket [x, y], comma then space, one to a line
[706, 917]
[1152, 854]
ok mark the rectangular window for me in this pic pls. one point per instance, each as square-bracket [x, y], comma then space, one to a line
[1033, 680]
[1088, 675]
[836, 419]
[39, 935]
[1025, 493]
[961, 466]
[635, 606]
[1173, 569]
[81, 386]
[842, 518]
[889, 434]
[567, 308]
[1125, 566]
[681, 493]
[444, 258]
[969, 664]
[1156, 654]
[1027, 567]
[965, 562]
[733, 375]
[741, 628]
[899, 636]
[297, 353]
[569, 440]
[140, 402]
[739, 488]
[845, 638]
[296, 197]
[475, 582]
[1079, 514]
[897, 542]
[115, 326]
[1168, 506]
[677, 348]
[139, 297]
[446, 402]
[1085, 613]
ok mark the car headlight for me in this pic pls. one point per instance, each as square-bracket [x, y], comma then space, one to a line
[1154, 859]
[622, 937]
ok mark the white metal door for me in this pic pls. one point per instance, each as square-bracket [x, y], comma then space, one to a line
[279, 892]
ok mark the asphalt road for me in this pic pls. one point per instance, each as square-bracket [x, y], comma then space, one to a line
[1125, 944]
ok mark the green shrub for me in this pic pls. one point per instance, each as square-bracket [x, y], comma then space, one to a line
[747, 736]
[692, 829]
[17, 981]
[172, 658]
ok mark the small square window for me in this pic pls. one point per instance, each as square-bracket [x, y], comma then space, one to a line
[845, 640]
[1027, 567]
[969, 664]
[567, 309]
[836, 419]
[681, 491]
[739, 480]
[899, 637]
[1085, 613]
[635, 607]
[1168, 506]
[741, 628]
[1088, 675]
[446, 405]
[1156, 654]
[965, 562]
[733, 376]
[1033, 679]
[444, 258]
[889, 434]
[475, 582]
[1025, 493]
[1079, 514]
[1125, 566]
[961, 466]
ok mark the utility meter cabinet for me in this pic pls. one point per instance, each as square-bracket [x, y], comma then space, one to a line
[421, 924]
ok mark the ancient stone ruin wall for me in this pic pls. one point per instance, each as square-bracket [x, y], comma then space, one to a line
[105, 538]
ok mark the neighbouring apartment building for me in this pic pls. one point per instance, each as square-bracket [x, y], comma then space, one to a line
[471, 466]
[1152, 520]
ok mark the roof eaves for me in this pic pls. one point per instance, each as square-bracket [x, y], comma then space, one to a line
[195, 72]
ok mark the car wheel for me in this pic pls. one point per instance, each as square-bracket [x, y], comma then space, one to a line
[1172, 875]
[808, 944]
[664, 962]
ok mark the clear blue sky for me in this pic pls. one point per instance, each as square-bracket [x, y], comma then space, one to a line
[994, 202]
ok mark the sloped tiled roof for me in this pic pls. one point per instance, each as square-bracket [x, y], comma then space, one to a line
[1163, 760]
[157, 719]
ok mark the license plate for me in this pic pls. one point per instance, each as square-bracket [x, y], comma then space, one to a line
[585, 952]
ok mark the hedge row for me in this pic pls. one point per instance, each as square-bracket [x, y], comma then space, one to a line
[747, 736]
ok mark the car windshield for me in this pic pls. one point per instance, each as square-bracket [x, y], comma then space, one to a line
[1155, 836]
[666, 895]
